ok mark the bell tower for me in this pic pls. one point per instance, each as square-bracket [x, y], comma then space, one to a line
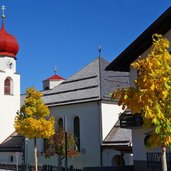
[9, 81]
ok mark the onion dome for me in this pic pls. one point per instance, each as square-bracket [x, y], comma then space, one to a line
[8, 43]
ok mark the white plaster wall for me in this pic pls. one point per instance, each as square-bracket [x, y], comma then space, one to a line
[110, 114]
[108, 154]
[139, 149]
[9, 104]
[5, 157]
[54, 83]
[90, 139]
[138, 144]
[4, 63]
[29, 151]
[51, 83]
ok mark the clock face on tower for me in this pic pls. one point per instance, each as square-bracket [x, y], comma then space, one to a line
[10, 64]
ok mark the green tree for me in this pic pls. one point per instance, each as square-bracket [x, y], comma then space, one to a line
[56, 145]
[33, 120]
[151, 94]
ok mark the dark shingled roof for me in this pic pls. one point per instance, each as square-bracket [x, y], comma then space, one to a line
[161, 26]
[119, 136]
[119, 139]
[91, 83]
[14, 143]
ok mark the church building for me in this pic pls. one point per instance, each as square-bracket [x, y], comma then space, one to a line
[9, 81]
[84, 99]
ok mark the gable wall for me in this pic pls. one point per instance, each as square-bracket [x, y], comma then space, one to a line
[90, 139]
[10, 104]
[110, 114]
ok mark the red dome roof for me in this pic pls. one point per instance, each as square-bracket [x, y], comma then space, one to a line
[55, 77]
[8, 43]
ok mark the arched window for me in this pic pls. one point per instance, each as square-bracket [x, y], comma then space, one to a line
[8, 86]
[60, 123]
[77, 131]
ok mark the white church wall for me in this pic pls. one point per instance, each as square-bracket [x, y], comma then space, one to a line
[11, 157]
[29, 151]
[50, 84]
[110, 114]
[90, 139]
[108, 154]
[9, 105]
[5, 64]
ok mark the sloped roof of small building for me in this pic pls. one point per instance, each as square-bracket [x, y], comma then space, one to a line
[14, 143]
[91, 83]
[161, 26]
[119, 138]
[54, 77]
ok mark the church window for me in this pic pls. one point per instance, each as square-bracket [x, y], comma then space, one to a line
[77, 131]
[60, 123]
[8, 86]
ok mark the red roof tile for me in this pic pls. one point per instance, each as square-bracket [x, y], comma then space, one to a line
[55, 77]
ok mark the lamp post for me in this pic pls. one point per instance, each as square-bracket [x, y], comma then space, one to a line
[26, 153]
[66, 155]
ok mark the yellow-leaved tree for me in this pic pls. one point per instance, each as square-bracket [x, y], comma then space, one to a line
[151, 94]
[33, 120]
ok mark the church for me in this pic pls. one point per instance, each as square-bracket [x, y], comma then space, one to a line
[84, 99]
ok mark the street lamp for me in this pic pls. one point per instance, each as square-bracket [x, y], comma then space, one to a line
[26, 153]
[66, 155]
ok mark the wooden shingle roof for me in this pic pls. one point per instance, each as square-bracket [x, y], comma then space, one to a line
[14, 143]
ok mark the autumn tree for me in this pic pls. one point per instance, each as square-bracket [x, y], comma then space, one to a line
[56, 146]
[33, 120]
[151, 94]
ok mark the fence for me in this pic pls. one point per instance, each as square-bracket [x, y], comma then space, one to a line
[154, 160]
[110, 168]
[13, 167]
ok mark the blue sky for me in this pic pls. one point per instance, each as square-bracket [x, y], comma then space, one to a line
[66, 33]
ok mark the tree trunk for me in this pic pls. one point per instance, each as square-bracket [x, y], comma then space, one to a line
[35, 155]
[164, 160]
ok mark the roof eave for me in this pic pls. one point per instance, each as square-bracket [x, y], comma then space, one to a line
[143, 42]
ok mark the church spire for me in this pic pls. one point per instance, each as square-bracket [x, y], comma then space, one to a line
[55, 70]
[9, 45]
[3, 8]
[99, 50]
